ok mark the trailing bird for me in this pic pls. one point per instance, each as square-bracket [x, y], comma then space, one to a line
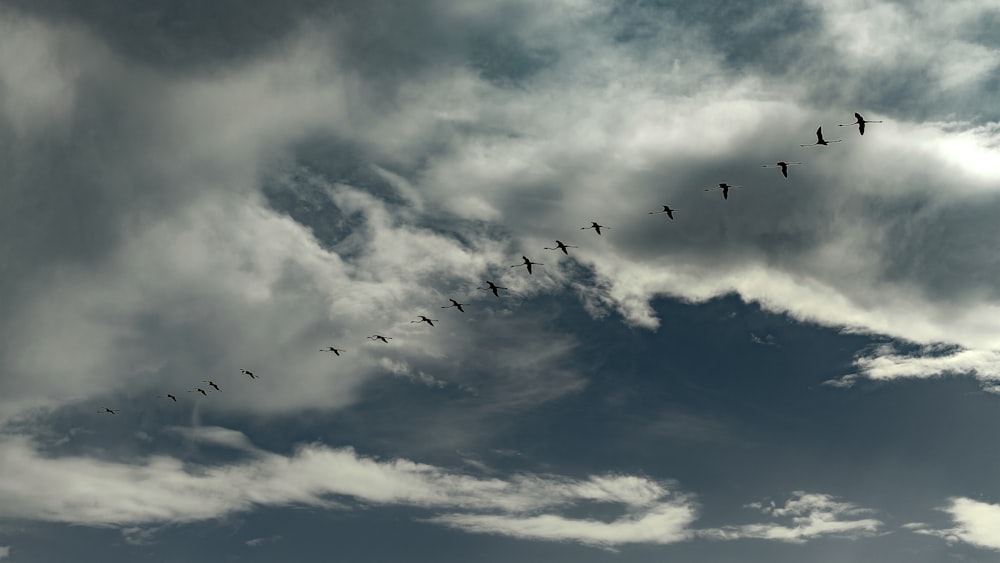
[212, 383]
[595, 226]
[820, 140]
[455, 304]
[375, 337]
[560, 246]
[109, 411]
[527, 263]
[424, 319]
[248, 373]
[492, 287]
[168, 396]
[724, 188]
[666, 209]
[860, 123]
[782, 165]
[198, 390]
[336, 351]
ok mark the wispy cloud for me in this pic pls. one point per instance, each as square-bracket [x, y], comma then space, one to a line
[804, 516]
[257, 542]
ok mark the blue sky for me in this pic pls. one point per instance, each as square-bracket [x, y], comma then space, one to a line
[805, 371]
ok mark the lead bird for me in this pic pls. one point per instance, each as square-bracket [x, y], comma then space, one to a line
[492, 287]
[666, 209]
[424, 319]
[593, 225]
[455, 304]
[860, 122]
[724, 188]
[527, 263]
[248, 373]
[336, 351]
[782, 165]
[375, 337]
[820, 140]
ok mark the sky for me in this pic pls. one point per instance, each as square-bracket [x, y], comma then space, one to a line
[807, 370]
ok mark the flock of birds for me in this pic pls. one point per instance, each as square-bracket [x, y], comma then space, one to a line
[527, 263]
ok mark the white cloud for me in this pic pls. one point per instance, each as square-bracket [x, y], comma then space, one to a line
[808, 515]
[976, 523]
[257, 542]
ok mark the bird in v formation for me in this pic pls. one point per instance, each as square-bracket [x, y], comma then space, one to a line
[860, 121]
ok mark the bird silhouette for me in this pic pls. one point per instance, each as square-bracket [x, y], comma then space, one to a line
[820, 140]
[248, 373]
[424, 319]
[860, 122]
[109, 411]
[336, 351]
[212, 383]
[560, 246]
[492, 287]
[724, 188]
[597, 228]
[455, 304]
[666, 209]
[782, 165]
[375, 337]
[198, 390]
[527, 263]
[168, 396]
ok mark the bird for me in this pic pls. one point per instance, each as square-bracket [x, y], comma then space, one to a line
[560, 246]
[168, 396]
[455, 304]
[782, 165]
[248, 373]
[820, 140]
[198, 390]
[666, 209]
[212, 383]
[492, 287]
[860, 123]
[424, 319]
[336, 351]
[595, 226]
[109, 411]
[724, 188]
[527, 263]
[375, 337]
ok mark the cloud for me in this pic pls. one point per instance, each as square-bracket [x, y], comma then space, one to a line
[809, 515]
[4, 551]
[885, 364]
[976, 523]
[257, 542]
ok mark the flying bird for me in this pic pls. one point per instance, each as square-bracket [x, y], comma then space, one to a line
[212, 383]
[168, 396]
[455, 304]
[724, 188]
[560, 246]
[820, 140]
[375, 337]
[336, 351]
[198, 390]
[492, 287]
[424, 319]
[595, 226]
[527, 263]
[248, 373]
[666, 209]
[860, 122]
[109, 411]
[782, 165]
